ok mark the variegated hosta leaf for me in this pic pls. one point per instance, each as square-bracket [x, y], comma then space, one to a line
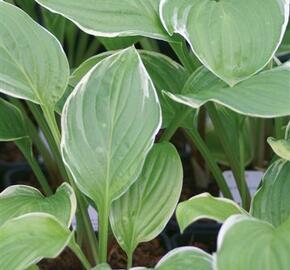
[272, 203]
[165, 73]
[27, 239]
[262, 95]
[144, 210]
[109, 124]
[206, 206]
[19, 200]
[112, 18]
[34, 69]
[280, 147]
[248, 243]
[186, 258]
[223, 33]
[12, 124]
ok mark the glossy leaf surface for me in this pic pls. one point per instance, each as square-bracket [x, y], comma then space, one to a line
[271, 202]
[143, 211]
[234, 39]
[165, 73]
[109, 124]
[112, 18]
[19, 200]
[34, 69]
[248, 243]
[27, 239]
[206, 206]
[263, 95]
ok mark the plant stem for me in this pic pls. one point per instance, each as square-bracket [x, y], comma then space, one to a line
[103, 231]
[27, 152]
[38, 142]
[51, 121]
[279, 133]
[129, 260]
[212, 165]
[78, 252]
[235, 166]
[174, 125]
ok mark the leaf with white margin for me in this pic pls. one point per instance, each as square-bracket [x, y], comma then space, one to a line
[223, 33]
[136, 217]
[34, 69]
[25, 240]
[12, 124]
[185, 258]
[263, 95]
[19, 200]
[248, 243]
[206, 206]
[112, 18]
[33, 267]
[271, 202]
[165, 73]
[109, 125]
[280, 147]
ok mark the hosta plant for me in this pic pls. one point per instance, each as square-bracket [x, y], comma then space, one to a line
[101, 122]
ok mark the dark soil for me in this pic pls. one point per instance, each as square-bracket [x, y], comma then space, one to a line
[146, 254]
[66, 261]
[10, 153]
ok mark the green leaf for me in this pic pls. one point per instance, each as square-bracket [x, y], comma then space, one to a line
[206, 206]
[34, 69]
[118, 43]
[165, 73]
[18, 200]
[12, 124]
[280, 147]
[271, 202]
[223, 33]
[109, 124]
[27, 239]
[248, 243]
[112, 18]
[231, 123]
[136, 217]
[186, 258]
[262, 95]
[33, 267]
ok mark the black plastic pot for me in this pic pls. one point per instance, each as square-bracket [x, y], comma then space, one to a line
[201, 234]
[18, 175]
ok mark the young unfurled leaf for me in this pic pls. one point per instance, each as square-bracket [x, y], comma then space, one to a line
[206, 206]
[280, 147]
[109, 124]
[112, 18]
[144, 210]
[248, 243]
[272, 203]
[27, 239]
[234, 39]
[263, 95]
[19, 200]
[33, 64]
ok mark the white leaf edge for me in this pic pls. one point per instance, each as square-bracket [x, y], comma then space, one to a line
[184, 34]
